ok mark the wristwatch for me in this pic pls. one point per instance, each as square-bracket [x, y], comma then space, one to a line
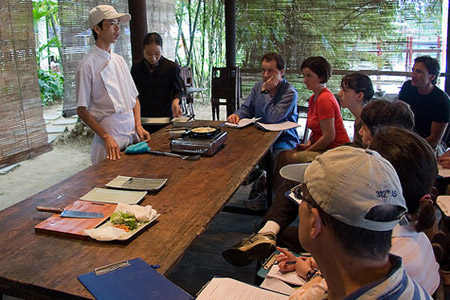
[313, 273]
[266, 91]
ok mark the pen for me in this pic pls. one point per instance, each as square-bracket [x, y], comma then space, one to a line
[292, 262]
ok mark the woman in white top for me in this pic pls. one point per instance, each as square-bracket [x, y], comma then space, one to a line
[416, 166]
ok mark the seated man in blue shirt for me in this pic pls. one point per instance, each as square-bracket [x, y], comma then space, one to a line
[273, 100]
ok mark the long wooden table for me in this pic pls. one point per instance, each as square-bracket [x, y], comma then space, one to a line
[43, 266]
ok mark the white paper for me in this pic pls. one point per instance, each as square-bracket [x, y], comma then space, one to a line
[290, 277]
[242, 122]
[443, 172]
[231, 289]
[113, 196]
[275, 284]
[279, 126]
[142, 213]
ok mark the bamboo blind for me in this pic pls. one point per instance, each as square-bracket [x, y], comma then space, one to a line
[77, 39]
[22, 127]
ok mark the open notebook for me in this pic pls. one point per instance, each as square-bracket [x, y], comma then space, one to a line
[242, 123]
[227, 288]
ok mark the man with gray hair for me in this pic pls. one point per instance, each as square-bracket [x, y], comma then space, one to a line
[352, 199]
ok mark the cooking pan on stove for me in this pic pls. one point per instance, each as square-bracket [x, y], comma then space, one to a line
[202, 132]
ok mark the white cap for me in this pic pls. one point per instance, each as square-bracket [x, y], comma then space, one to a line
[347, 182]
[294, 172]
[105, 12]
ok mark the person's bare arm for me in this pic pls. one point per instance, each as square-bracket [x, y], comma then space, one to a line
[176, 109]
[142, 133]
[112, 148]
[328, 135]
[437, 131]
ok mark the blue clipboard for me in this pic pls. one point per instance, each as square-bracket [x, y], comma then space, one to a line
[134, 279]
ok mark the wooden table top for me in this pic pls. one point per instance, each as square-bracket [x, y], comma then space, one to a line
[43, 266]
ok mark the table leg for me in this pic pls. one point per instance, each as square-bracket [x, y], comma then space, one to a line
[268, 167]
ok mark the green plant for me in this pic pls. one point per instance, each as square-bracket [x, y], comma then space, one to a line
[51, 85]
[50, 81]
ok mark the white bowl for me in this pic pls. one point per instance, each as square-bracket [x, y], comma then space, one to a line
[182, 122]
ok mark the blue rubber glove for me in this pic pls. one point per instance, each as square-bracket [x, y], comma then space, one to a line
[139, 148]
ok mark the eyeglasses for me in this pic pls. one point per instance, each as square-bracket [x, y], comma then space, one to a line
[301, 192]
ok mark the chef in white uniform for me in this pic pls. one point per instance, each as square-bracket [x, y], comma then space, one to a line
[106, 95]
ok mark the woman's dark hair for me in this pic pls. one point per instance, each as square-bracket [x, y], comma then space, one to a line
[381, 113]
[276, 57]
[318, 65]
[152, 38]
[416, 166]
[100, 24]
[360, 83]
[431, 64]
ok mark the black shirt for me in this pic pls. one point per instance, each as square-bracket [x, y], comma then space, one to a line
[157, 88]
[434, 107]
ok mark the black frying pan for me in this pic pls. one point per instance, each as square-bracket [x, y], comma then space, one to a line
[202, 132]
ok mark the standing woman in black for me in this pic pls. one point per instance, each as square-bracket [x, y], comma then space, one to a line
[158, 82]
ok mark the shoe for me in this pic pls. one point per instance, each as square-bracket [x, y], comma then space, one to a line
[254, 175]
[257, 246]
[259, 186]
[257, 203]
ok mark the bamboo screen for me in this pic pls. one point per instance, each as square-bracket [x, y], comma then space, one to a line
[77, 39]
[22, 127]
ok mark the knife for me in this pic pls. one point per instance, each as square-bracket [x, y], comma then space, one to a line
[71, 213]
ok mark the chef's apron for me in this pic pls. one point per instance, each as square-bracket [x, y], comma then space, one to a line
[120, 126]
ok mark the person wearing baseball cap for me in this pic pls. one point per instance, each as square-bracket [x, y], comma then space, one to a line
[107, 98]
[352, 200]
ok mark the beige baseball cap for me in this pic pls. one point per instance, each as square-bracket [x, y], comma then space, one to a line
[347, 182]
[294, 172]
[106, 12]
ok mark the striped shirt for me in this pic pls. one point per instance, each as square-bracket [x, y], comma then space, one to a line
[396, 285]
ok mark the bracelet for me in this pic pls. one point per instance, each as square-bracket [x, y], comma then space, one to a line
[312, 273]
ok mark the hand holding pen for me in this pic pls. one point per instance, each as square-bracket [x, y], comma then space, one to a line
[288, 262]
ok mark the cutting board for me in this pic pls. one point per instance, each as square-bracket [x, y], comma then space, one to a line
[75, 226]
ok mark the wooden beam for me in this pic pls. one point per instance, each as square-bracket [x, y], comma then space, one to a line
[230, 33]
[138, 26]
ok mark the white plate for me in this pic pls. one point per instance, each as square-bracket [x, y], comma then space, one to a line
[126, 235]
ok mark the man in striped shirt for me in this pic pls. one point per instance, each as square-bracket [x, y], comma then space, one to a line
[352, 199]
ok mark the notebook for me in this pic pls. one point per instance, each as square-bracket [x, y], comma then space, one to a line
[137, 183]
[113, 196]
[228, 288]
[133, 279]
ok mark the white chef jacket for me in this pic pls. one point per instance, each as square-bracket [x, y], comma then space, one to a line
[105, 87]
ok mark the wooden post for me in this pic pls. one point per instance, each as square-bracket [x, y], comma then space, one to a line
[138, 26]
[447, 69]
[230, 45]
